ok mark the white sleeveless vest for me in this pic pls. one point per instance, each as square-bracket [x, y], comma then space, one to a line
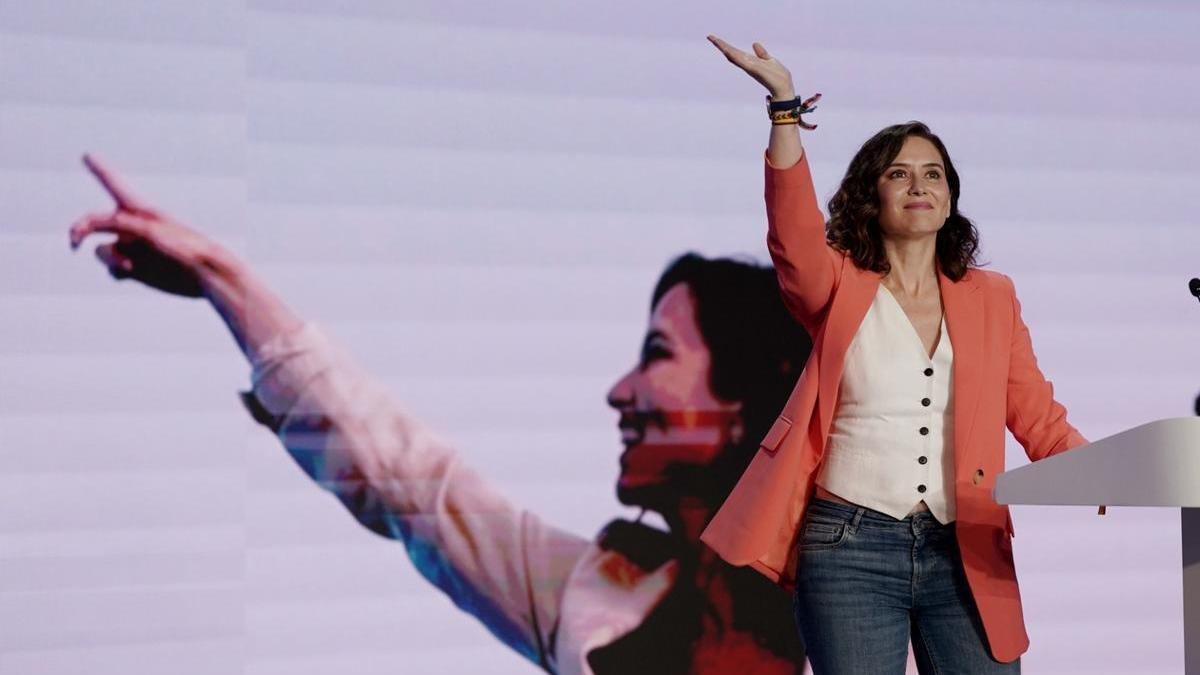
[891, 443]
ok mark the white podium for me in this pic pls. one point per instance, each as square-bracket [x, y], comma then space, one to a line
[1155, 464]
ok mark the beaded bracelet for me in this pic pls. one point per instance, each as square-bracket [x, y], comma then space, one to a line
[789, 112]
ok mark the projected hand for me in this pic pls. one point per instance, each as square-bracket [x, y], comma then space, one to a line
[150, 246]
[760, 65]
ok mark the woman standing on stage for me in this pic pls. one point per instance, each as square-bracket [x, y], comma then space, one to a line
[872, 490]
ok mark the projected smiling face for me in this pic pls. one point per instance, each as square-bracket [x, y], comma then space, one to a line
[914, 197]
[671, 421]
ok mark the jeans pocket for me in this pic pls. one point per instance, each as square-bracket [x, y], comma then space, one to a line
[821, 533]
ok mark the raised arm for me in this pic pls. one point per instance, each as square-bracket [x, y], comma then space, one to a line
[784, 148]
[500, 563]
[1036, 420]
[808, 269]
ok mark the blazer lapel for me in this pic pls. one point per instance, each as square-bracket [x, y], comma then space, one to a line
[849, 306]
[964, 320]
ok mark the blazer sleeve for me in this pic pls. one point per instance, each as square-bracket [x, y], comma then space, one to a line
[500, 563]
[807, 267]
[1036, 420]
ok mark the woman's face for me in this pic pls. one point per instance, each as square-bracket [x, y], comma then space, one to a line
[670, 418]
[914, 197]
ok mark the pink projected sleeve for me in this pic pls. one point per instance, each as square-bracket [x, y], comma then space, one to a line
[500, 563]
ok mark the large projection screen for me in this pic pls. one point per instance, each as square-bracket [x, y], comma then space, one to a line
[476, 199]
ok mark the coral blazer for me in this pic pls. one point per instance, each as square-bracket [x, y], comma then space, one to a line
[996, 384]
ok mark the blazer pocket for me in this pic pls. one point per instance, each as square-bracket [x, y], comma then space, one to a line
[770, 442]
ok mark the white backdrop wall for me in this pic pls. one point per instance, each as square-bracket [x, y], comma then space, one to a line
[477, 199]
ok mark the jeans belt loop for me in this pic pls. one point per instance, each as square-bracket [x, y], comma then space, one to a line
[858, 514]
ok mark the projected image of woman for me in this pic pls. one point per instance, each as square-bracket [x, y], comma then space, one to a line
[719, 358]
[873, 492]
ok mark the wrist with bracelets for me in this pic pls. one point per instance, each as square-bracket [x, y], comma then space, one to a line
[789, 111]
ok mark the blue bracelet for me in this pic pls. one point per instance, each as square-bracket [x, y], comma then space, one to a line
[779, 106]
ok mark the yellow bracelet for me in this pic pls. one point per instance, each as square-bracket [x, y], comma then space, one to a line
[792, 110]
[786, 116]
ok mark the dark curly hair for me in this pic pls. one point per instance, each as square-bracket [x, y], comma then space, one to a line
[854, 210]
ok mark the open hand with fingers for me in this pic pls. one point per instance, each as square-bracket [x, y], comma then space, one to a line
[150, 246]
[764, 68]
[784, 109]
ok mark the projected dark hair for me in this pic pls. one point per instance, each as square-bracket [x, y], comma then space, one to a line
[757, 349]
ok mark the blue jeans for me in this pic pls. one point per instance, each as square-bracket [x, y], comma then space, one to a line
[867, 583]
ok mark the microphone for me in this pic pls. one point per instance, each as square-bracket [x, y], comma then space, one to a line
[1194, 287]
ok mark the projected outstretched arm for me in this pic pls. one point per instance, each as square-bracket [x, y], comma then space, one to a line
[500, 563]
[162, 253]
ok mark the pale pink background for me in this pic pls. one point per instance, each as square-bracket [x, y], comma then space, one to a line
[477, 198]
